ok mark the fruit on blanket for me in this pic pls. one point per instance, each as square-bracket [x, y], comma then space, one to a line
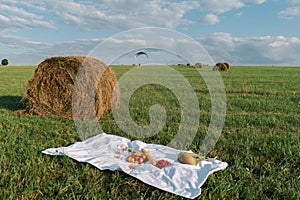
[140, 160]
[136, 158]
[186, 158]
[144, 157]
[129, 158]
[136, 153]
[152, 161]
[162, 163]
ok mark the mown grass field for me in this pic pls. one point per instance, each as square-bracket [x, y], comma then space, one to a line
[260, 140]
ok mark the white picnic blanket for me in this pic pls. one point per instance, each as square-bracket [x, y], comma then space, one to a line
[106, 151]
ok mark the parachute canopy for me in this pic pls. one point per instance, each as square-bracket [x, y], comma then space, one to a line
[141, 53]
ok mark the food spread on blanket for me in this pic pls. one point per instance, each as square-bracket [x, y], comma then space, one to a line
[137, 158]
[186, 158]
[142, 157]
[189, 158]
[162, 163]
[109, 152]
[152, 161]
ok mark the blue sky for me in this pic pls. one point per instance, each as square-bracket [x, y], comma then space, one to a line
[241, 32]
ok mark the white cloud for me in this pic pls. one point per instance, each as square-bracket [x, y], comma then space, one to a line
[136, 13]
[219, 7]
[135, 41]
[126, 14]
[4, 19]
[239, 14]
[26, 52]
[13, 10]
[210, 19]
[269, 50]
[14, 17]
[265, 50]
[122, 14]
[18, 50]
[294, 2]
[19, 44]
[292, 11]
[260, 1]
[113, 14]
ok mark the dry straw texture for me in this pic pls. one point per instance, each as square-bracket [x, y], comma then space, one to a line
[198, 65]
[221, 66]
[51, 90]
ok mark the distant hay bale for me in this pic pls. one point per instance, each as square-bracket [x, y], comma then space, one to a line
[221, 66]
[50, 91]
[198, 65]
[227, 65]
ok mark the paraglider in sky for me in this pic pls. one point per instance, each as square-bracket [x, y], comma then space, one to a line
[141, 53]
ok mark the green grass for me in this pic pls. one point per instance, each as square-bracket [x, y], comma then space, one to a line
[260, 140]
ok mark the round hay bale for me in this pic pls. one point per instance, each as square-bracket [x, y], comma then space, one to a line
[198, 65]
[50, 91]
[221, 66]
[227, 65]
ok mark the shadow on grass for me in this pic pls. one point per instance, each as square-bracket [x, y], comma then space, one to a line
[12, 103]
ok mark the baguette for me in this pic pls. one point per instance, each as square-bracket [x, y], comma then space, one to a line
[152, 161]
